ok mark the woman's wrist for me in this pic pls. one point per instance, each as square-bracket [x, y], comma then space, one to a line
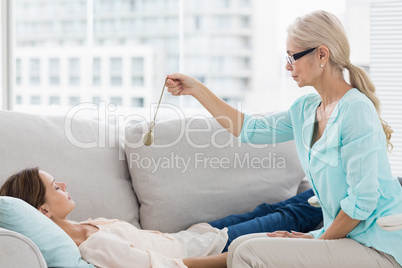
[199, 91]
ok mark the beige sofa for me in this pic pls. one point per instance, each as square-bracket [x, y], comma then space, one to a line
[194, 172]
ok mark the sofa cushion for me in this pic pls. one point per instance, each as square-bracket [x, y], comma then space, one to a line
[79, 152]
[195, 171]
[57, 248]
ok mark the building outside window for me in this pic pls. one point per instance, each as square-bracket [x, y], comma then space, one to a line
[73, 100]
[118, 101]
[54, 72]
[96, 72]
[74, 66]
[18, 71]
[235, 47]
[137, 102]
[54, 100]
[35, 100]
[34, 75]
[116, 68]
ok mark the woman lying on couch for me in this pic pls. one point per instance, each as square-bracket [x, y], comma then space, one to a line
[115, 243]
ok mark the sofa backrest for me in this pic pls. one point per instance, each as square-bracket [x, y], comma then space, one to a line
[83, 153]
[196, 171]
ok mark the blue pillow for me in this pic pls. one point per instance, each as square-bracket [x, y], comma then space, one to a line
[57, 248]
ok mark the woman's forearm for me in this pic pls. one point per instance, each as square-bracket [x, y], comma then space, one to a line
[230, 118]
[341, 227]
[212, 261]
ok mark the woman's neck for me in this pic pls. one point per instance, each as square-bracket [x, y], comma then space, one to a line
[332, 89]
[77, 232]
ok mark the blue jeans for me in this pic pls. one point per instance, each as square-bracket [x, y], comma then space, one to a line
[292, 214]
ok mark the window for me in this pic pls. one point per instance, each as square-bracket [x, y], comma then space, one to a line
[197, 22]
[115, 80]
[54, 80]
[137, 102]
[244, 63]
[96, 65]
[35, 100]
[96, 99]
[54, 100]
[18, 72]
[74, 71]
[218, 63]
[96, 72]
[73, 100]
[221, 3]
[116, 101]
[137, 81]
[385, 69]
[245, 22]
[18, 99]
[236, 47]
[96, 80]
[137, 65]
[34, 68]
[74, 80]
[54, 72]
[222, 22]
[245, 3]
[116, 67]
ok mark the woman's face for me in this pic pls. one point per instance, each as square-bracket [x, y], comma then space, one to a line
[306, 70]
[58, 203]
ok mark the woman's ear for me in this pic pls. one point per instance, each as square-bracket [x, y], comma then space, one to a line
[323, 53]
[45, 212]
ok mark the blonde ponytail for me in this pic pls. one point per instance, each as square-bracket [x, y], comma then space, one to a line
[323, 28]
[359, 79]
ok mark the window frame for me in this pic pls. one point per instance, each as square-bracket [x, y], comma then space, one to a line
[6, 55]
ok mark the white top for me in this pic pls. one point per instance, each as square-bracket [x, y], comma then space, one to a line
[120, 244]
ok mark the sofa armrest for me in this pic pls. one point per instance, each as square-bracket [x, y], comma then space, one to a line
[17, 250]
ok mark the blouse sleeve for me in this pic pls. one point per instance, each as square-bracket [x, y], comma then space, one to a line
[360, 143]
[110, 252]
[270, 129]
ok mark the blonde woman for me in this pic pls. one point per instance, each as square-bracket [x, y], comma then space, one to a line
[342, 145]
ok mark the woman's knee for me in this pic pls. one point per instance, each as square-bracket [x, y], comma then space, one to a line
[238, 242]
[243, 238]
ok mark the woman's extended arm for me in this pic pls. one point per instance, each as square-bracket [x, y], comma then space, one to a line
[340, 227]
[230, 118]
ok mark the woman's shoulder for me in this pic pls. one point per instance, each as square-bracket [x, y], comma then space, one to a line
[356, 110]
[100, 221]
[357, 102]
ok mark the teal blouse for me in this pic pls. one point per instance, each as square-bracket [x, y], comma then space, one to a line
[347, 167]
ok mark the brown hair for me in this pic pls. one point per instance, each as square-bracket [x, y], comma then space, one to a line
[25, 185]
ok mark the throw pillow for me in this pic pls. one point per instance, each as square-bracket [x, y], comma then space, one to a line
[57, 248]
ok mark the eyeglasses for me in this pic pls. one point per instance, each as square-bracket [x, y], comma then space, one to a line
[291, 59]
